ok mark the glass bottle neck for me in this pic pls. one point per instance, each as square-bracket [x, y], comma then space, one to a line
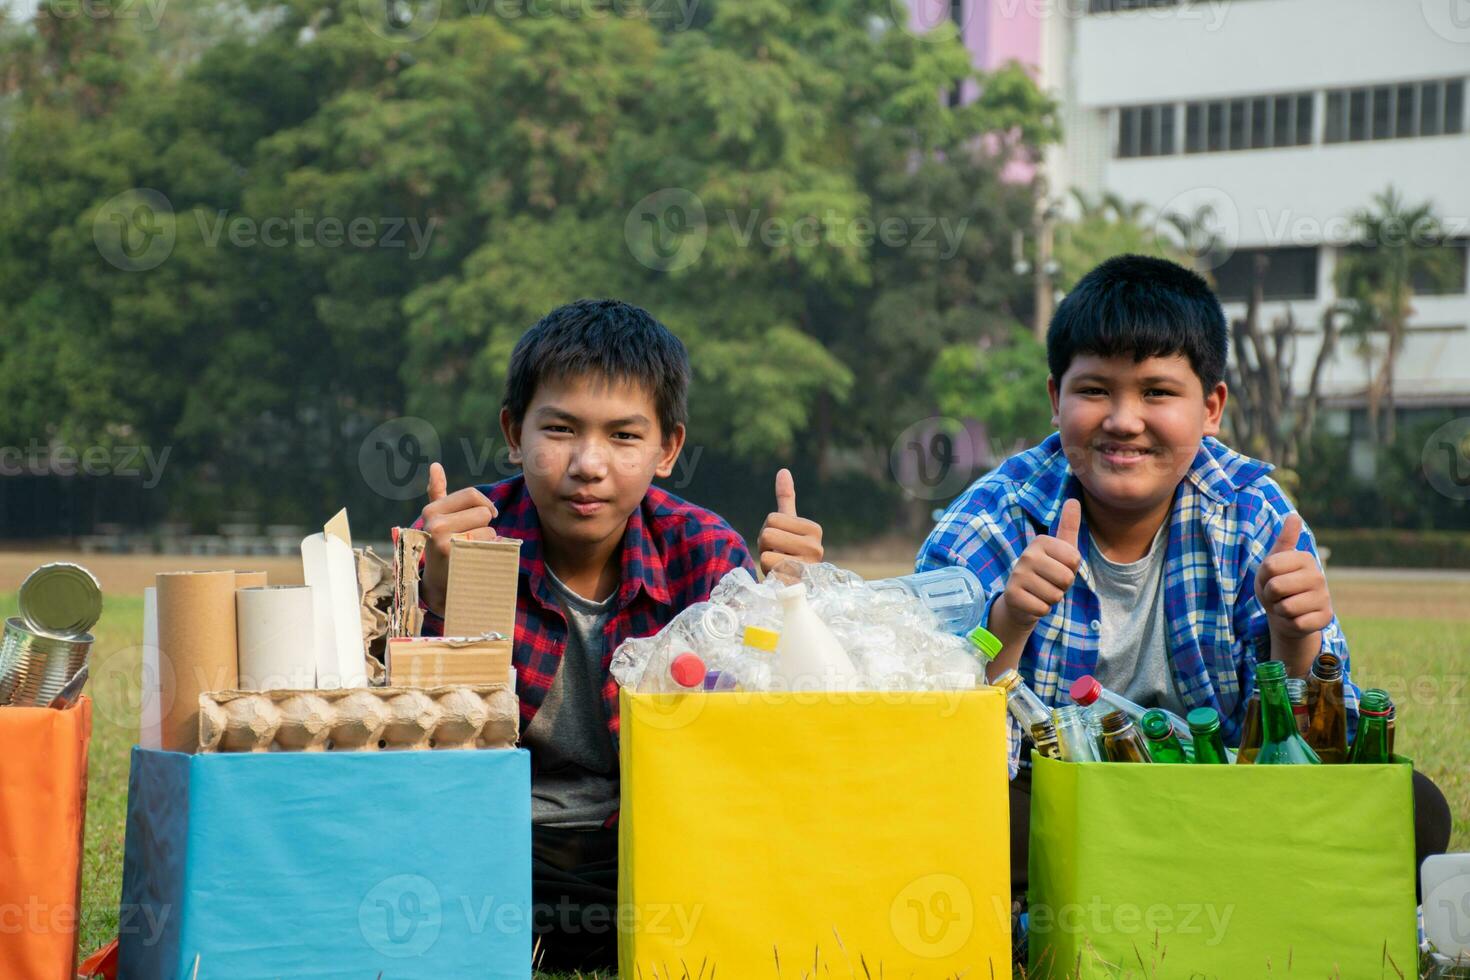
[1278, 721]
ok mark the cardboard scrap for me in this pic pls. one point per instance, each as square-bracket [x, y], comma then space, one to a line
[435, 661]
[483, 579]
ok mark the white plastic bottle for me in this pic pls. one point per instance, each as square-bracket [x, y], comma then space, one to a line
[808, 656]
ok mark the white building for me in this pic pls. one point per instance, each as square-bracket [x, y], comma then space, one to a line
[1283, 116]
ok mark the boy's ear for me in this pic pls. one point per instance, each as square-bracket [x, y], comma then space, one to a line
[673, 444]
[1215, 409]
[1054, 390]
[512, 432]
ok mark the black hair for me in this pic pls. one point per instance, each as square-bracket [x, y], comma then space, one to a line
[606, 337]
[1143, 306]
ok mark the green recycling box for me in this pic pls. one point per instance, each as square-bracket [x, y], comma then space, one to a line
[1167, 871]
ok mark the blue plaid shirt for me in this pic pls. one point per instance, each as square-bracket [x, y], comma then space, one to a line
[1227, 512]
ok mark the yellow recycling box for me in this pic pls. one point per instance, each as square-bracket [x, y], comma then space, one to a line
[844, 835]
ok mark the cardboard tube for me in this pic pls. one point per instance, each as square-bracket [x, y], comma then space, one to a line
[196, 638]
[250, 580]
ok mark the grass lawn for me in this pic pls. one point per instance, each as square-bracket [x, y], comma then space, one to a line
[1423, 661]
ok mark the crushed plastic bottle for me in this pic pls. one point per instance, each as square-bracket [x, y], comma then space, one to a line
[952, 593]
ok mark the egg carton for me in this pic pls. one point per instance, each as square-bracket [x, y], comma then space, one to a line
[359, 719]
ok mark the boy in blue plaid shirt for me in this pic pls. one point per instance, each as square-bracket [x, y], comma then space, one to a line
[1131, 544]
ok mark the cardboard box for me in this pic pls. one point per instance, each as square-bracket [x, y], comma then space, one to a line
[483, 579]
[843, 835]
[1221, 871]
[433, 661]
[315, 865]
[43, 809]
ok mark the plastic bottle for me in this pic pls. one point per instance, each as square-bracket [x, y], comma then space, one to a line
[1087, 692]
[808, 655]
[952, 593]
[687, 671]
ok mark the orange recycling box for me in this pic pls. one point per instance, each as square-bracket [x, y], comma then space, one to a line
[858, 834]
[43, 804]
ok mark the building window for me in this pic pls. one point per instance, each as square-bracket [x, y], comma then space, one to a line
[1291, 273]
[1248, 124]
[1146, 130]
[1396, 111]
[1112, 6]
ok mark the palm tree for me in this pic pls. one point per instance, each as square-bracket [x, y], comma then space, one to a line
[1398, 245]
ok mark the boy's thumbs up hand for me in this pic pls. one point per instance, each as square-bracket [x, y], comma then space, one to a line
[1043, 574]
[466, 511]
[1291, 587]
[784, 535]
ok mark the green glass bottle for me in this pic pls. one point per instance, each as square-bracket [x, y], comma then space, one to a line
[1281, 743]
[1393, 717]
[1371, 745]
[1327, 729]
[1033, 716]
[1209, 747]
[1163, 743]
[1121, 741]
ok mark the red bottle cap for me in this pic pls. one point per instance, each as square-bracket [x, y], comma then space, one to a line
[1085, 690]
[687, 670]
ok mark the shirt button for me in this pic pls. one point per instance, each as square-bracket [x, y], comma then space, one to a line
[1096, 625]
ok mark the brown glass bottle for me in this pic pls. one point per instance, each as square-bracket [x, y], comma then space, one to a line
[1250, 730]
[1327, 729]
[1121, 741]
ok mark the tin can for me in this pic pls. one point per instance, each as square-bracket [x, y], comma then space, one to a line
[60, 599]
[34, 667]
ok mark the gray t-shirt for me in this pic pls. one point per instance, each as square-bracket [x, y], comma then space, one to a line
[1133, 648]
[575, 766]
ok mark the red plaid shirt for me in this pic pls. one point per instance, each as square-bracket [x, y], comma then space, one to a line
[673, 555]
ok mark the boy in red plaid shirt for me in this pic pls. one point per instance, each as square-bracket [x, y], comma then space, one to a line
[594, 409]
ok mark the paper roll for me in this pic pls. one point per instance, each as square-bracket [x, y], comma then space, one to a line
[196, 646]
[277, 638]
[151, 693]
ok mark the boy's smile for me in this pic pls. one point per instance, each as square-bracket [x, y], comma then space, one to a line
[1131, 429]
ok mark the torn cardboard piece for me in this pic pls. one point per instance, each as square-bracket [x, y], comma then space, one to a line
[433, 661]
[406, 618]
[483, 579]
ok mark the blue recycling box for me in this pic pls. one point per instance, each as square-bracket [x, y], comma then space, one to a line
[409, 864]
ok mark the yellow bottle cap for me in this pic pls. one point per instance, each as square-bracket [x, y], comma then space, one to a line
[761, 638]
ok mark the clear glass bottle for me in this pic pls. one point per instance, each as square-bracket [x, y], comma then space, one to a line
[1074, 735]
[1088, 692]
[1296, 690]
[1033, 716]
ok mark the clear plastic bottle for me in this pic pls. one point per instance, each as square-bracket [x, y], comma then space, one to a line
[808, 655]
[952, 593]
[1089, 693]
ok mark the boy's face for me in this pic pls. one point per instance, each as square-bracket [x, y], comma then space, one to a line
[1131, 429]
[589, 448]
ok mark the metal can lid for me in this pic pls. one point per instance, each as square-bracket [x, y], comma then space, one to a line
[61, 599]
